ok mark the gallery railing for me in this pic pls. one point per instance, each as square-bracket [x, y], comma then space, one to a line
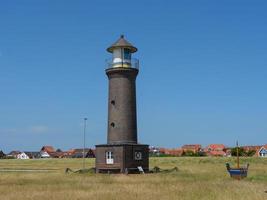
[133, 63]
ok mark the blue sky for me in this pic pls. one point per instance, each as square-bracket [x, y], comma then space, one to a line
[203, 69]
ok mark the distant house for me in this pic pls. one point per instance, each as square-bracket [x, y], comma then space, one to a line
[195, 148]
[13, 154]
[154, 151]
[174, 152]
[17, 155]
[47, 152]
[54, 154]
[23, 156]
[2, 155]
[161, 150]
[33, 154]
[215, 147]
[252, 150]
[44, 154]
[228, 151]
[262, 152]
[78, 153]
[90, 153]
[48, 149]
[215, 150]
[59, 154]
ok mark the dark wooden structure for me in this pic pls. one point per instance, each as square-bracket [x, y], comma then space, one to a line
[122, 153]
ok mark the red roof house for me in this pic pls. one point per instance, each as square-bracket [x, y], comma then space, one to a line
[48, 149]
[78, 153]
[252, 148]
[215, 150]
[174, 152]
[191, 147]
[162, 150]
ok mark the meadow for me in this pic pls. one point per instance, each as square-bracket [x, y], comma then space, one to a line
[196, 178]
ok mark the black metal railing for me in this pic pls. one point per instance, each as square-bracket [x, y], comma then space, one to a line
[133, 63]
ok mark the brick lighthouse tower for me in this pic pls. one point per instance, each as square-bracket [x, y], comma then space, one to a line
[122, 153]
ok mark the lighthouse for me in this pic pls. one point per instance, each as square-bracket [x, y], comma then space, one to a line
[122, 153]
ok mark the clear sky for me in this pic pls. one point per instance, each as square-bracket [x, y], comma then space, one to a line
[203, 71]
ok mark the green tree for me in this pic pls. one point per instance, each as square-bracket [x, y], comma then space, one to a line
[241, 151]
[192, 154]
[250, 153]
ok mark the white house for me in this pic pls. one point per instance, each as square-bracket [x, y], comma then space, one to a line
[263, 151]
[22, 155]
[44, 154]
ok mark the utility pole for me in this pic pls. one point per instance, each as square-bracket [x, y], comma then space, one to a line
[84, 131]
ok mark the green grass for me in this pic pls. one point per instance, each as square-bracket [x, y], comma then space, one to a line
[197, 178]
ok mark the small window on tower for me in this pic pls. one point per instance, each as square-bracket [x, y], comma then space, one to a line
[112, 124]
[113, 102]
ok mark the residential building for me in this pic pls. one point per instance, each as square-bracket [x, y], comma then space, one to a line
[174, 152]
[78, 153]
[23, 156]
[161, 150]
[48, 149]
[195, 148]
[154, 151]
[262, 152]
[251, 150]
[13, 154]
[47, 152]
[33, 154]
[215, 150]
[44, 154]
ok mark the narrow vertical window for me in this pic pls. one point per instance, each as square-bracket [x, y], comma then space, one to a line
[109, 157]
[127, 54]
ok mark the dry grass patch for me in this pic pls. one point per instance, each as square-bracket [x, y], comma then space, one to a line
[197, 178]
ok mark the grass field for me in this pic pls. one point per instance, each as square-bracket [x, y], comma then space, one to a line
[197, 178]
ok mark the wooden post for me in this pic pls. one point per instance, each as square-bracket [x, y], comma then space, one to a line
[237, 152]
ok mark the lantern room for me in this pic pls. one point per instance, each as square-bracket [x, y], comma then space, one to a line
[122, 54]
